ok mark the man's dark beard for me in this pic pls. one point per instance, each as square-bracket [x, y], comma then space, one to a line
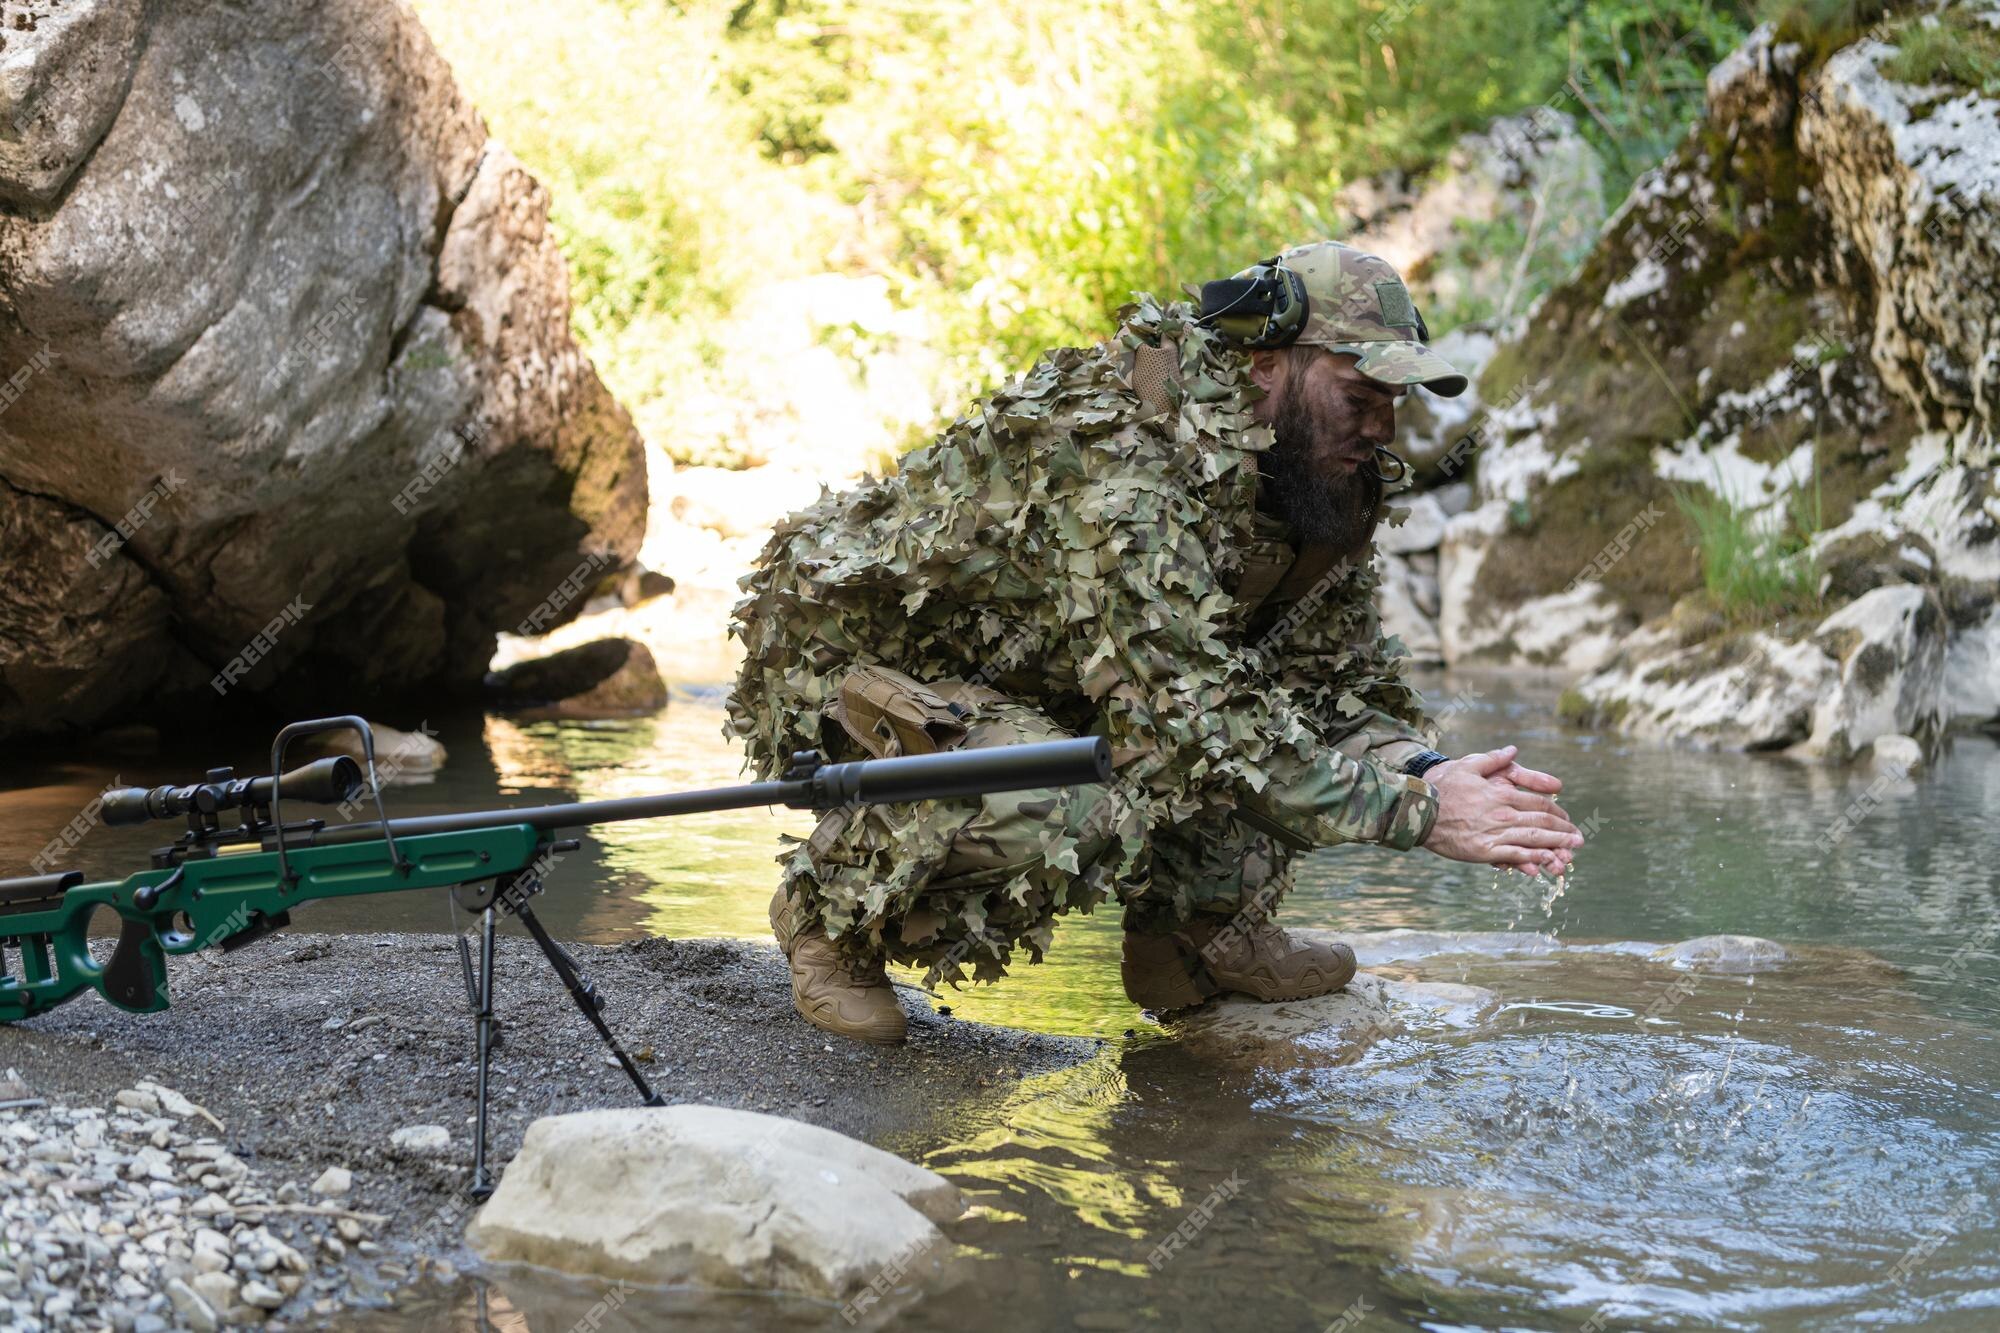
[1339, 511]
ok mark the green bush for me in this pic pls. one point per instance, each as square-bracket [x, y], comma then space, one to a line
[1016, 171]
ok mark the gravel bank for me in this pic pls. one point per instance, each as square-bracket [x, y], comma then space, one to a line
[355, 1054]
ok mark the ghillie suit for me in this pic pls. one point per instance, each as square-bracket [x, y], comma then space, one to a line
[1081, 553]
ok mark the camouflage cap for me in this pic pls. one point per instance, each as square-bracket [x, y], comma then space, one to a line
[1357, 303]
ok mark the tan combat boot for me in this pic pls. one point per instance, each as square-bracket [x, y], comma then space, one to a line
[1213, 955]
[836, 995]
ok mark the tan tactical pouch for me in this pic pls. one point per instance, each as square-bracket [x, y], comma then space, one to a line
[889, 714]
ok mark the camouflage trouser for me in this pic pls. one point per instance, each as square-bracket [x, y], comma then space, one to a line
[955, 886]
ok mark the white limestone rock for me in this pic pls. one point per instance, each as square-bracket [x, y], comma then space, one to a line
[1971, 687]
[1421, 529]
[1757, 693]
[1897, 756]
[1889, 648]
[1399, 599]
[713, 1197]
[421, 1140]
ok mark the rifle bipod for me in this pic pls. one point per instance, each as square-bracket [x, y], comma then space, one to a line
[510, 893]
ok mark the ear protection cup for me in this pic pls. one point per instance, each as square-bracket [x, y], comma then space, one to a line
[1266, 309]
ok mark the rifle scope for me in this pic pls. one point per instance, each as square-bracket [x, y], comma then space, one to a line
[322, 782]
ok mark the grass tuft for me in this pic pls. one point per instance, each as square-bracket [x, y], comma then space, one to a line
[1750, 571]
[1951, 47]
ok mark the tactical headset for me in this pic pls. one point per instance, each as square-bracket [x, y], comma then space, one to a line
[1267, 310]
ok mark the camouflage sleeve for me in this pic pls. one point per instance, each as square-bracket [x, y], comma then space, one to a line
[1187, 713]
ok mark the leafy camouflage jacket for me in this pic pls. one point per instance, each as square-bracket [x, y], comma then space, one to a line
[1095, 549]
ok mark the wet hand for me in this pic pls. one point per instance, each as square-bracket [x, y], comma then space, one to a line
[1493, 811]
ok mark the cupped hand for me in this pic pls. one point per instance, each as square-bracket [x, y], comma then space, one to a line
[1492, 811]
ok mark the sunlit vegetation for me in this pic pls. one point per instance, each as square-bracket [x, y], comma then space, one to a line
[1014, 171]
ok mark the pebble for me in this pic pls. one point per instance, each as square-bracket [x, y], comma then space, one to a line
[218, 1289]
[192, 1308]
[169, 1101]
[334, 1181]
[123, 1238]
[421, 1139]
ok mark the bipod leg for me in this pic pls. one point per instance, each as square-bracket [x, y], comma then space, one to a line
[584, 992]
[482, 1188]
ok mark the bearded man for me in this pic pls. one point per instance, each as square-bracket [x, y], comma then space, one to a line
[1163, 540]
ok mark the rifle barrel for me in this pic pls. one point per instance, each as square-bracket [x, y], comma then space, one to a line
[925, 777]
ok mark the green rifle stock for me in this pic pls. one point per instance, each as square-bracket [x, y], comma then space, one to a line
[229, 886]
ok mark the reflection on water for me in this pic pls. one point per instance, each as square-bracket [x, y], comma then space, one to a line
[1806, 1146]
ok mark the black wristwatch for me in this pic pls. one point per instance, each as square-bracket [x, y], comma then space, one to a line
[1423, 761]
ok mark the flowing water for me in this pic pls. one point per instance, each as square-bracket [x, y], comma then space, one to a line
[1806, 1144]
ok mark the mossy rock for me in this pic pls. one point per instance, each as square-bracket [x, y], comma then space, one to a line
[1852, 565]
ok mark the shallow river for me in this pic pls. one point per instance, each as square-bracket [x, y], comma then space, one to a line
[1813, 1144]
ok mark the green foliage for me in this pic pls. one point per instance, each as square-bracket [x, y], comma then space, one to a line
[1951, 47]
[1751, 572]
[1015, 171]
[1637, 74]
[665, 206]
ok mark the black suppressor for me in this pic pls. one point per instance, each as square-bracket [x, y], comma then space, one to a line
[322, 782]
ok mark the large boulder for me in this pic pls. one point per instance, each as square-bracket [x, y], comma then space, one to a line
[293, 402]
[716, 1198]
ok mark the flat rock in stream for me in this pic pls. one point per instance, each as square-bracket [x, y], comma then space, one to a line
[713, 1197]
[1375, 947]
[1723, 953]
[1330, 1029]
